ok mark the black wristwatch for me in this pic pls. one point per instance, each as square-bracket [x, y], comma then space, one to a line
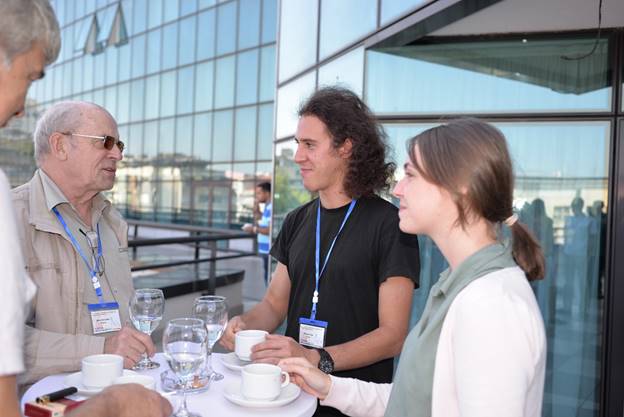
[326, 363]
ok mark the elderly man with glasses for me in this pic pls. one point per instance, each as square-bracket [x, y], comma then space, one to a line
[75, 244]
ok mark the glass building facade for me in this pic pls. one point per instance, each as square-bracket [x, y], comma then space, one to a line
[559, 108]
[191, 84]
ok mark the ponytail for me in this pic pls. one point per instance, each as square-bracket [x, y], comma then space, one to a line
[527, 252]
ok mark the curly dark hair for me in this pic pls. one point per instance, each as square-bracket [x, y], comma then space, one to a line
[347, 117]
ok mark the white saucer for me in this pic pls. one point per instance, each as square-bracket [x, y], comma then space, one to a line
[232, 362]
[75, 380]
[232, 392]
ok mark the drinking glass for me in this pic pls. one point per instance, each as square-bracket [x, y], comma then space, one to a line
[184, 345]
[146, 308]
[212, 309]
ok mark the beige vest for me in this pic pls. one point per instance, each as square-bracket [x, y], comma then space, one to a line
[59, 331]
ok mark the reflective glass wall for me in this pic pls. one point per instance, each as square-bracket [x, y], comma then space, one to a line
[556, 105]
[191, 84]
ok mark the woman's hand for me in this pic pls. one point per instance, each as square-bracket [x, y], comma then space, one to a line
[307, 376]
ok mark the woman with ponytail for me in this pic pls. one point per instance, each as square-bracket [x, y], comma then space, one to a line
[479, 348]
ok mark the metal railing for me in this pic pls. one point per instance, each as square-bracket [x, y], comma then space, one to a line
[199, 238]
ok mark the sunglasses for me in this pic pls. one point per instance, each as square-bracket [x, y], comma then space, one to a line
[109, 141]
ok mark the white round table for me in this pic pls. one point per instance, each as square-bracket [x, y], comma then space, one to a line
[208, 403]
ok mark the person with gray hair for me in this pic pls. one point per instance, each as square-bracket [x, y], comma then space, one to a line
[68, 226]
[30, 40]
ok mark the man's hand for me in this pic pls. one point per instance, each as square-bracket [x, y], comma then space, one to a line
[311, 379]
[228, 337]
[277, 347]
[130, 344]
[127, 400]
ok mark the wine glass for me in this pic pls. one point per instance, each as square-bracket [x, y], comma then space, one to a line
[184, 345]
[213, 310]
[146, 308]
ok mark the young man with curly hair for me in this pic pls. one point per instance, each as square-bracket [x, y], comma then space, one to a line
[346, 273]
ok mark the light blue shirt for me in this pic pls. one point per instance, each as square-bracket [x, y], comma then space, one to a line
[264, 241]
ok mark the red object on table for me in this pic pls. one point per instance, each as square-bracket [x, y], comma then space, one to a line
[51, 409]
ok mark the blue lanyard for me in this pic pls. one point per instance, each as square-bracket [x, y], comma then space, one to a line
[92, 271]
[318, 252]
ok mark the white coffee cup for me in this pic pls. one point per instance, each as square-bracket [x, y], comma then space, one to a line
[99, 371]
[145, 380]
[245, 339]
[262, 381]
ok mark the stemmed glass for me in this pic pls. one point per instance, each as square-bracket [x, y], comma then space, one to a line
[213, 310]
[184, 345]
[146, 308]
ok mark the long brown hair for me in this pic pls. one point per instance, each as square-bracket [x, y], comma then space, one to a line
[469, 158]
[346, 116]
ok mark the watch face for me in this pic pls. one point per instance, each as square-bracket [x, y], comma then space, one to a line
[326, 364]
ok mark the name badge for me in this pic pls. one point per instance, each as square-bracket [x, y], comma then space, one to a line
[312, 332]
[105, 317]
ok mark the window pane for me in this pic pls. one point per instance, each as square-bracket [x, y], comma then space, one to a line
[224, 94]
[345, 71]
[221, 200]
[137, 93]
[297, 37]
[171, 10]
[166, 138]
[139, 14]
[391, 9]
[112, 65]
[265, 131]
[345, 21]
[226, 37]
[78, 73]
[497, 76]
[152, 95]
[98, 72]
[245, 134]
[204, 90]
[249, 23]
[247, 77]
[203, 137]
[150, 142]
[134, 142]
[124, 62]
[223, 135]
[184, 136]
[206, 35]
[267, 73]
[269, 20]
[110, 102]
[155, 13]
[167, 94]
[138, 56]
[154, 51]
[185, 90]
[170, 45]
[188, 6]
[123, 103]
[186, 50]
[289, 98]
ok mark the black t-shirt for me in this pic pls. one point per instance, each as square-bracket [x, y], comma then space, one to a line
[370, 249]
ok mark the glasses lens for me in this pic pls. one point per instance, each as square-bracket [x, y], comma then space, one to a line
[109, 142]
